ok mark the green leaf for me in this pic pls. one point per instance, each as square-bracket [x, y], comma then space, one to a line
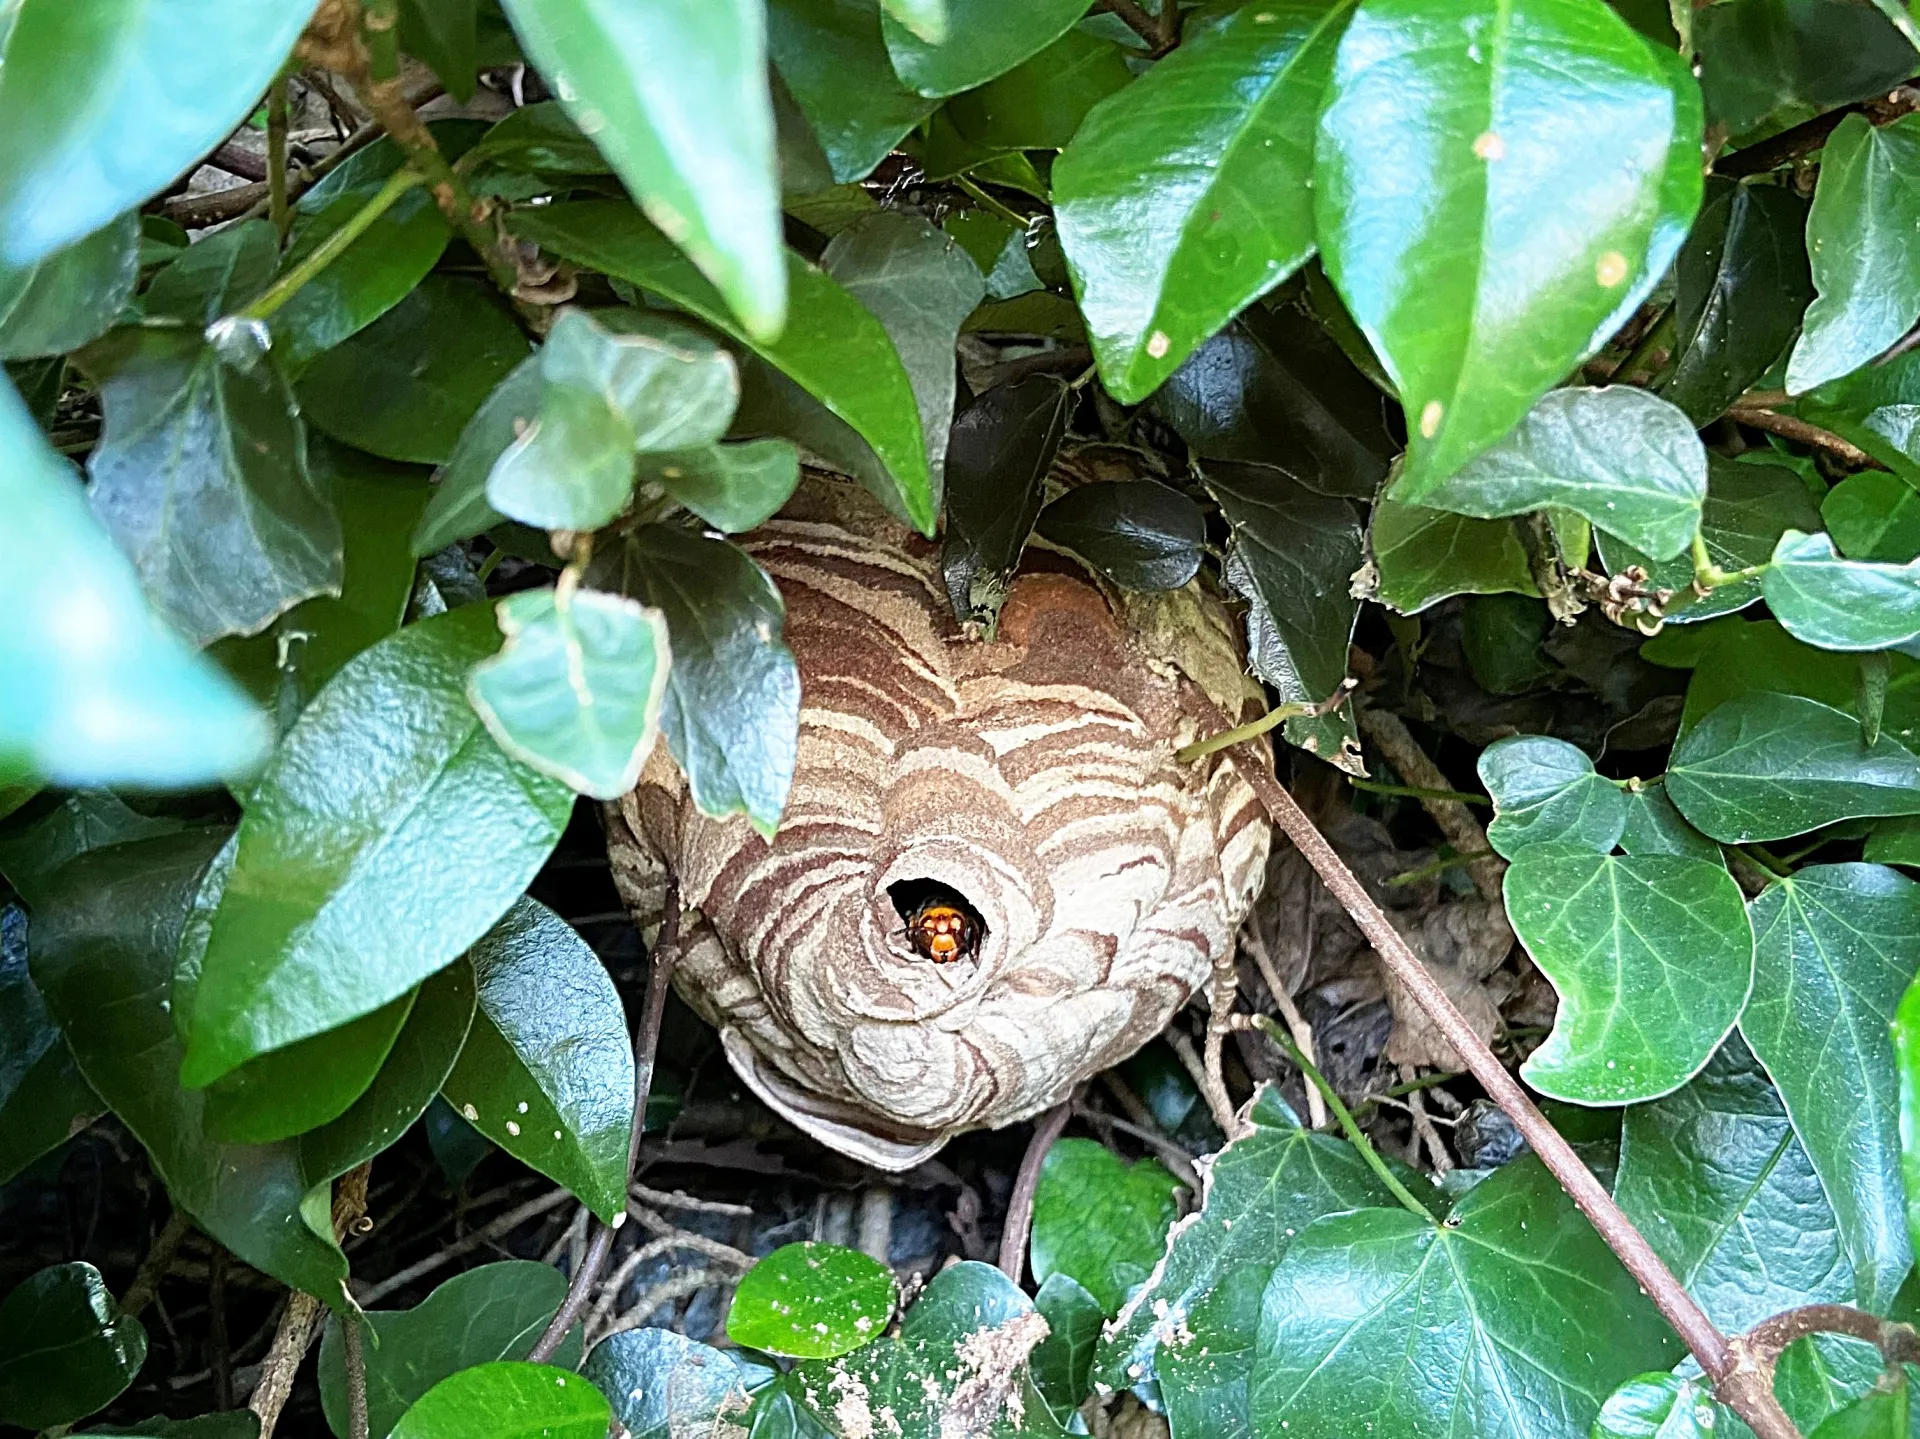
[1622, 458]
[1423, 556]
[732, 714]
[1906, 1052]
[405, 387]
[1514, 1300]
[662, 1384]
[65, 1350]
[459, 509]
[1550, 141]
[1500, 636]
[103, 950]
[207, 281]
[1765, 766]
[99, 691]
[926, 20]
[1654, 826]
[1140, 534]
[1741, 285]
[998, 456]
[1187, 195]
[445, 34]
[1041, 103]
[1841, 604]
[163, 87]
[1880, 1414]
[487, 1314]
[371, 854]
[1658, 1406]
[1878, 408]
[812, 1301]
[1545, 791]
[920, 286]
[1873, 516]
[734, 488]
[984, 39]
[1292, 555]
[88, 820]
[1833, 952]
[289, 1091]
[547, 1073]
[507, 1400]
[1865, 210]
[228, 1424]
[201, 477]
[607, 392]
[676, 97]
[56, 304]
[1716, 1180]
[1895, 841]
[1062, 1363]
[43, 1098]
[835, 349]
[1099, 1220]
[1651, 957]
[1765, 64]
[833, 58]
[1263, 1189]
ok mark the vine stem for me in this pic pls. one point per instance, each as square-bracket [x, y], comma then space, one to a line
[1026, 1184]
[277, 156]
[331, 248]
[1272, 719]
[1709, 576]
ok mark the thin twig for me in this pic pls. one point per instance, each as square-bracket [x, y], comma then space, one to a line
[1437, 797]
[1272, 719]
[1196, 1068]
[1137, 19]
[1297, 1025]
[196, 212]
[494, 1229]
[331, 248]
[153, 1268]
[1753, 1356]
[678, 1286]
[1221, 995]
[1425, 1132]
[1176, 1159]
[353, 1346]
[724, 1255]
[677, 1199]
[1792, 427]
[1013, 1235]
[276, 175]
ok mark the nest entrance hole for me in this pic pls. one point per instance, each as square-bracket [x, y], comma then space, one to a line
[910, 896]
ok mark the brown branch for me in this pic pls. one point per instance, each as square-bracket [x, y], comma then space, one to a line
[1136, 19]
[353, 1345]
[153, 1268]
[1013, 1234]
[1752, 1356]
[1392, 738]
[1792, 427]
[196, 212]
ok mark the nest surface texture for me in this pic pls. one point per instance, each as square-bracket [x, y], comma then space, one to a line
[1031, 775]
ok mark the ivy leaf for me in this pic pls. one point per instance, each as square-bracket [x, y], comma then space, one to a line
[1879, 1414]
[344, 894]
[1515, 1300]
[405, 387]
[1138, 533]
[1878, 408]
[459, 509]
[491, 1313]
[547, 1073]
[201, 477]
[43, 1098]
[65, 1350]
[1423, 556]
[734, 488]
[1841, 604]
[204, 282]
[1654, 826]
[1099, 1220]
[1764, 766]
[836, 351]
[833, 58]
[1187, 195]
[732, 713]
[1546, 791]
[1658, 1406]
[1550, 141]
[507, 1400]
[1906, 1052]
[609, 391]
[117, 698]
[1865, 207]
[1873, 516]
[1833, 953]
[676, 97]
[103, 945]
[812, 1301]
[661, 1383]
[1622, 458]
[1757, 71]
[998, 455]
[1651, 957]
[1062, 1363]
[163, 88]
[56, 304]
[1715, 1178]
[984, 39]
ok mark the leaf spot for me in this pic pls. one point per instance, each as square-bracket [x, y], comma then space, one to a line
[1489, 146]
[512, 1128]
[1430, 415]
[1158, 344]
[469, 1113]
[1610, 269]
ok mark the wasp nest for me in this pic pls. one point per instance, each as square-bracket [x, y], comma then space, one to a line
[1027, 781]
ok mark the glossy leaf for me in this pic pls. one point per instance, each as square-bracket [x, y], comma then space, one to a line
[1622, 458]
[43, 1098]
[204, 282]
[65, 1350]
[1833, 953]
[1654, 826]
[50, 306]
[201, 477]
[343, 895]
[1546, 791]
[102, 954]
[833, 58]
[507, 1400]
[1515, 1299]
[812, 1301]
[927, 20]
[659, 1382]
[487, 1314]
[445, 35]
[676, 97]
[1765, 766]
[998, 456]
[1879, 1414]
[1187, 195]
[1423, 556]
[1878, 408]
[732, 709]
[289, 1091]
[1140, 534]
[459, 509]
[1841, 604]
[834, 348]
[1652, 959]
[1658, 1406]
[1873, 516]
[547, 1073]
[734, 488]
[99, 691]
[1865, 210]
[1040, 104]
[984, 39]
[1752, 80]
[165, 83]
[1099, 1220]
[1906, 1053]
[1062, 1363]
[1467, 144]
[405, 387]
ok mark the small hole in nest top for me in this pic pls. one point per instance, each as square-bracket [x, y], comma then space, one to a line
[940, 922]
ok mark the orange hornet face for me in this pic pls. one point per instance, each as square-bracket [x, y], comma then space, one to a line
[943, 932]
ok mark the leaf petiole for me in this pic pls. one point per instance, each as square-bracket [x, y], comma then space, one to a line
[1709, 576]
[331, 248]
